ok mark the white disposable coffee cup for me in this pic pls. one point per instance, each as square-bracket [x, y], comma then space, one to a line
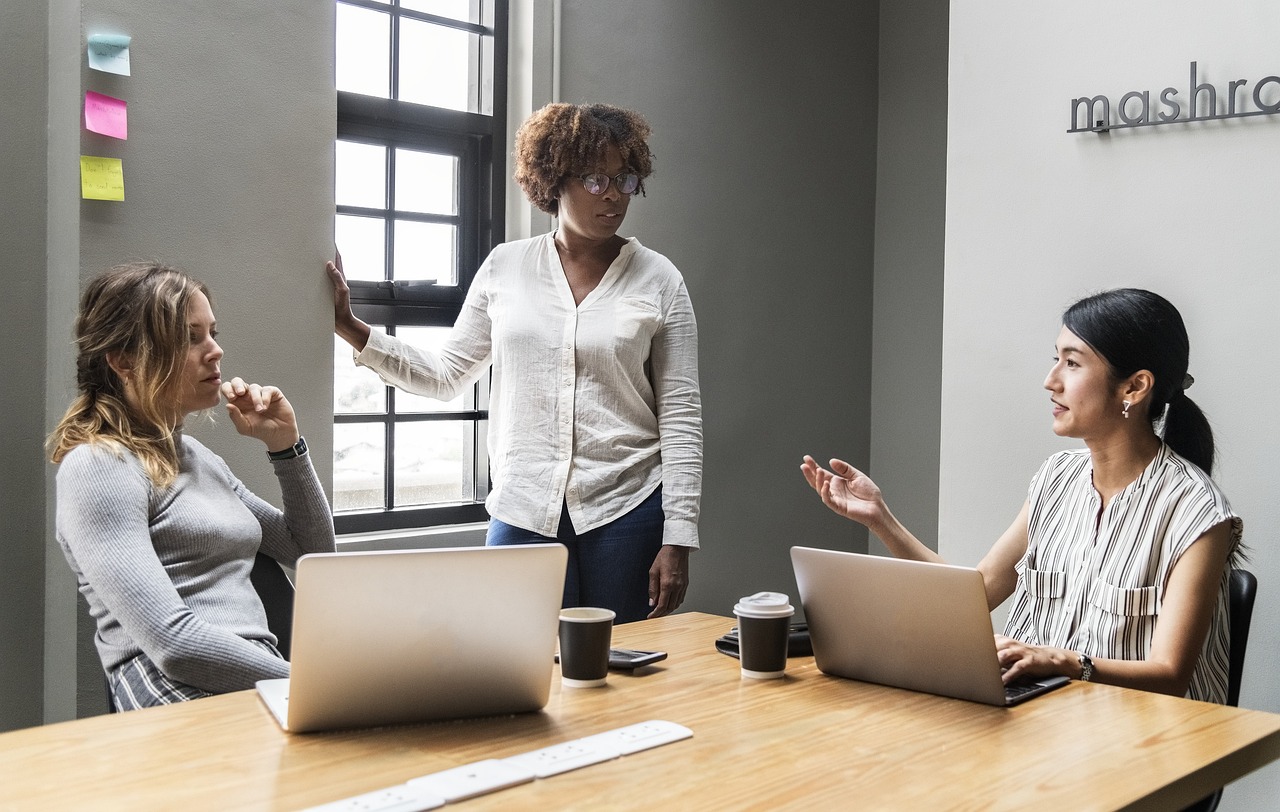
[764, 630]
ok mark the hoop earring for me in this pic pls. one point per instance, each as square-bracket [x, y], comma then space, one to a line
[1127, 404]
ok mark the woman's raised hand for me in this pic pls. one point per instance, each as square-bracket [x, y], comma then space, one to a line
[345, 323]
[846, 490]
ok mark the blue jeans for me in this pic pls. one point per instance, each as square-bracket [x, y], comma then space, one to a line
[608, 566]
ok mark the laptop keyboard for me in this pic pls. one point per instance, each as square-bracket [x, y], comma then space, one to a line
[1027, 688]
[1017, 689]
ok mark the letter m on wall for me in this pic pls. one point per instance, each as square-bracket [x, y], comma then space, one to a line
[1091, 118]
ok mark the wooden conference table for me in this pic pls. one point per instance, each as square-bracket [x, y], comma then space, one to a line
[801, 741]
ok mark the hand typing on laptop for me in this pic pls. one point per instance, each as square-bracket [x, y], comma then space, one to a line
[1020, 660]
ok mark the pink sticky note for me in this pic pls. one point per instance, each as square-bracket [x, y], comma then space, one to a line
[106, 115]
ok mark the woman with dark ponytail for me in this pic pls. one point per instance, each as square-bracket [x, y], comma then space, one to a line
[1136, 329]
[1118, 563]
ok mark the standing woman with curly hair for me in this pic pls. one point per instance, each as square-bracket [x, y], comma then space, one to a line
[161, 535]
[595, 432]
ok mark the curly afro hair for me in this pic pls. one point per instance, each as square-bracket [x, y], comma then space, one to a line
[566, 140]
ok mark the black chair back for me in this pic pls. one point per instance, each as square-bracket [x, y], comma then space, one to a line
[276, 591]
[1243, 588]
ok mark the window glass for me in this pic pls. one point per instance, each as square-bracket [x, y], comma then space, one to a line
[356, 389]
[359, 466]
[428, 338]
[419, 200]
[424, 251]
[465, 10]
[426, 182]
[436, 66]
[431, 464]
[363, 242]
[363, 51]
[360, 175]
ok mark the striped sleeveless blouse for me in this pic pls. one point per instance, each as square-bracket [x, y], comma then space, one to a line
[1099, 592]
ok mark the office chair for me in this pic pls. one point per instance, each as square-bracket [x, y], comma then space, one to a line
[1241, 592]
[276, 592]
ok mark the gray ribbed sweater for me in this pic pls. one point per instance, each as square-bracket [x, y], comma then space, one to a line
[166, 573]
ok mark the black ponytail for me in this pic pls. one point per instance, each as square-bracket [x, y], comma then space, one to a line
[1187, 431]
[1136, 329]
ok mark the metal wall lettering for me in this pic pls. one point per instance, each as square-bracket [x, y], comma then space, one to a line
[1094, 114]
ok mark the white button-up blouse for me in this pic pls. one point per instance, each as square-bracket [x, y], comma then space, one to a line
[592, 406]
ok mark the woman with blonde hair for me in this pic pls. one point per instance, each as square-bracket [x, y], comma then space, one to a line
[160, 533]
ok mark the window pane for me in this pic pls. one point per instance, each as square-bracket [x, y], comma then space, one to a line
[356, 390]
[359, 462]
[424, 251]
[428, 338]
[465, 10]
[435, 65]
[426, 182]
[363, 243]
[430, 463]
[363, 51]
[360, 175]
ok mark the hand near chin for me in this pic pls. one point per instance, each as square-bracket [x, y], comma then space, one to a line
[262, 412]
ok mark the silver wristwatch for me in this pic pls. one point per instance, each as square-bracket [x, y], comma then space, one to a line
[1086, 667]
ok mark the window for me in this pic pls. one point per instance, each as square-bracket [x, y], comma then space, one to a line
[419, 179]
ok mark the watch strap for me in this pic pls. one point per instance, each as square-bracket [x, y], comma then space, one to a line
[1086, 667]
[296, 450]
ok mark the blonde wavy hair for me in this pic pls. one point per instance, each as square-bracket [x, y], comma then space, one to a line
[137, 312]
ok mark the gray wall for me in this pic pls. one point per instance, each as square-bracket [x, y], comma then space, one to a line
[228, 174]
[766, 128]
[911, 193]
[23, 63]
[763, 195]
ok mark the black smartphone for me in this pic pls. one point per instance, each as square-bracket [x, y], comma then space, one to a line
[627, 659]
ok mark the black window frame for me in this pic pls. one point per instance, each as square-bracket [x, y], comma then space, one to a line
[473, 138]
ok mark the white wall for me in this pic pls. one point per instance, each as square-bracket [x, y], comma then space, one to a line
[1037, 217]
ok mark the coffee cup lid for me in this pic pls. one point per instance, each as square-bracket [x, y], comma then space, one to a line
[764, 604]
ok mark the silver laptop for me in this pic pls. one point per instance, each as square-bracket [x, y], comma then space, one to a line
[406, 636]
[909, 624]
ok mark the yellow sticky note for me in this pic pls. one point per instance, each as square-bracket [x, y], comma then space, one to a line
[101, 178]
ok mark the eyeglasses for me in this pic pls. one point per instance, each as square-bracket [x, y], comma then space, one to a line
[597, 183]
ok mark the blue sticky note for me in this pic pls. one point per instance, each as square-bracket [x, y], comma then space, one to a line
[109, 53]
